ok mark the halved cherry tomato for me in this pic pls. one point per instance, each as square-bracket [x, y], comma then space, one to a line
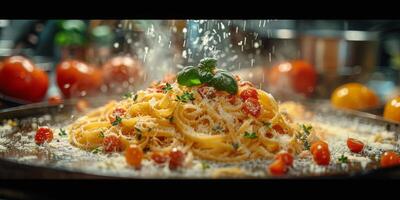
[389, 159]
[112, 143]
[252, 106]
[176, 159]
[392, 110]
[278, 128]
[321, 153]
[117, 112]
[20, 78]
[287, 158]
[54, 100]
[278, 168]
[43, 134]
[134, 156]
[158, 158]
[249, 93]
[355, 145]
[76, 78]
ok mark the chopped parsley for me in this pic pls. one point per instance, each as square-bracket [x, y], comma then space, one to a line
[171, 119]
[135, 97]
[167, 88]
[185, 97]
[62, 132]
[97, 150]
[250, 135]
[101, 135]
[218, 128]
[138, 134]
[205, 165]
[235, 145]
[302, 136]
[117, 121]
[267, 124]
[343, 159]
[127, 95]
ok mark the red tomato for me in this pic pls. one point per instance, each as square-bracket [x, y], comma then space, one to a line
[389, 159]
[252, 106]
[278, 168]
[278, 129]
[158, 158]
[287, 158]
[43, 134]
[76, 78]
[355, 145]
[231, 99]
[176, 158]
[54, 100]
[206, 92]
[321, 153]
[121, 69]
[134, 156]
[117, 112]
[249, 93]
[112, 143]
[19, 78]
[297, 74]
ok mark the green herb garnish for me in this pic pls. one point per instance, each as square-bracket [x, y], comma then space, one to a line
[224, 81]
[205, 165]
[185, 97]
[171, 119]
[135, 97]
[62, 132]
[167, 88]
[127, 95]
[302, 136]
[138, 134]
[101, 135]
[218, 128]
[97, 150]
[235, 145]
[117, 121]
[250, 135]
[267, 124]
[343, 159]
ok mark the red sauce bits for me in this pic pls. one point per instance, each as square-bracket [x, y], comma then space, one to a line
[355, 145]
[251, 105]
[43, 134]
[207, 92]
[134, 156]
[278, 129]
[158, 158]
[389, 159]
[117, 112]
[231, 99]
[111, 143]
[281, 164]
[321, 153]
[176, 158]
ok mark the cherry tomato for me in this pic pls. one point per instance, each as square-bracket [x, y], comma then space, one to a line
[112, 143]
[249, 93]
[389, 159]
[82, 105]
[176, 159]
[354, 96]
[54, 100]
[287, 158]
[21, 79]
[206, 92]
[320, 153]
[392, 110]
[278, 168]
[278, 128]
[117, 112]
[252, 106]
[121, 69]
[158, 158]
[355, 145]
[43, 134]
[298, 75]
[76, 78]
[134, 156]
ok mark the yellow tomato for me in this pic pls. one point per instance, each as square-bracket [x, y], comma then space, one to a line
[392, 110]
[354, 96]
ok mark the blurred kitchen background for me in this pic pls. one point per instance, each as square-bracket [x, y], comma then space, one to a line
[339, 51]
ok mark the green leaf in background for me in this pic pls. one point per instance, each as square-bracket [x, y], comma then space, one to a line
[223, 80]
[103, 35]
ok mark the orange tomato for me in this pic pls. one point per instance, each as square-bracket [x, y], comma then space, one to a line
[354, 96]
[134, 156]
[392, 110]
[20, 78]
[389, 159]
[76, 78]
[355, 145]
[298, 75]
[321, 153]
[287, 158]
[278, 168]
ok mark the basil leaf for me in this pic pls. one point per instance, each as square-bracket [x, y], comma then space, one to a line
[223, 80]
[208, 64]
[189, 76]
